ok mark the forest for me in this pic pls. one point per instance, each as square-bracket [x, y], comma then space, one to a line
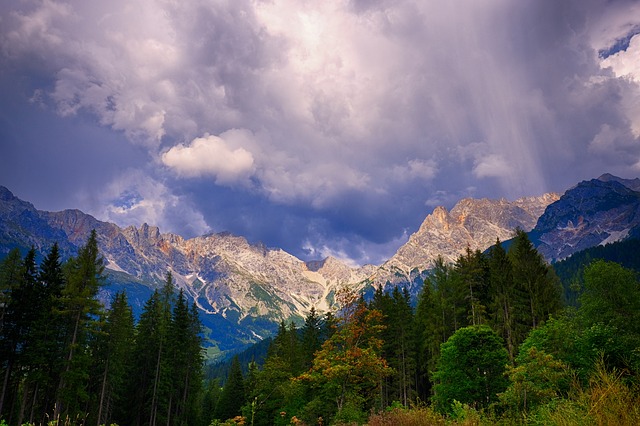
[494, 338]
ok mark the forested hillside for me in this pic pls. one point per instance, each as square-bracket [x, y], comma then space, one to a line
[490, 341]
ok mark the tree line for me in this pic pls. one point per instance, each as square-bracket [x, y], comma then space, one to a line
[65, 359]
[490, 337]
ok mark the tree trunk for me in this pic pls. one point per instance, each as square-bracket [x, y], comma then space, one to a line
[102, 392]
[23, 404]
[154, 402]
[5, 383]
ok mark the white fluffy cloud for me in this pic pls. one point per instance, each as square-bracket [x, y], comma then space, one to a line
[212, 156]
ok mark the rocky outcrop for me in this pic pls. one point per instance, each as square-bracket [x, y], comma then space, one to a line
[473, 223]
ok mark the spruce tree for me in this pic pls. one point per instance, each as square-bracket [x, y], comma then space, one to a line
[233, 394]
[311, 338]
[80, 308]
[503, 298]
[113, 358]
[46, 354]
[151, 386]
[537, 284]
[19, 322]
[435, 321]
[185, 362]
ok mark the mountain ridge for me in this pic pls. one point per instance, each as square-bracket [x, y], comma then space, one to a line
[244, 290]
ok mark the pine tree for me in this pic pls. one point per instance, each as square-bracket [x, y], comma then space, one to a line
[470, 269]
[435, 320]
[233, 394]
[185, 361]
[140, 384]
[311, 338]
[80, 308]
[46, 354]
[152, 384]
[503, 298]
[20, 319]
[536, 281]
[113, 357]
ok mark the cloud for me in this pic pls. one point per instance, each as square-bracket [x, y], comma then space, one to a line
[354, 112]
[134, 198]
[212, 156]
[492, 166]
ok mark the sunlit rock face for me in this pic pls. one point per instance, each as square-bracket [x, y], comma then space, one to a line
[476, 224]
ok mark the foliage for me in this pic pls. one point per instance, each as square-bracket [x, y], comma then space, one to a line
[607, 400]
[485, 315]
[349, 368]
[233, 395]
[624, 253]
[536, 380]
[470, 369]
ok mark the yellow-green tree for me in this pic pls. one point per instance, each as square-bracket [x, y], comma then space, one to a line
[348, 370]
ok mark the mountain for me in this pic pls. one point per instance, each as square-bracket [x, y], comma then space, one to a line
[592, 213]
[244, 290]
[473, 223]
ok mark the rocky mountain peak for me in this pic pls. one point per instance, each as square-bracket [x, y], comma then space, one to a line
[633, 184]
[473, 223]
[6, 195]
[439, 218]
[593, 212]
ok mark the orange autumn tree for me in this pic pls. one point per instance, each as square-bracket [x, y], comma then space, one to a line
[347, 371]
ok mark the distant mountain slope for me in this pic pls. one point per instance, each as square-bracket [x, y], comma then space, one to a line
[594, 212]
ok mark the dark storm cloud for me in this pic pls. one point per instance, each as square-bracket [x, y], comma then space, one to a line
[324, 127]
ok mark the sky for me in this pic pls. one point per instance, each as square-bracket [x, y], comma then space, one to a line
[325, 128]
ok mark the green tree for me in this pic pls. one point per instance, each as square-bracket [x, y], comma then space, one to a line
[80, 308]
[185, 361]
[436, 320]
[46, 355]
[471, 271]
[470, 369]
[150, 384]
[536, 281]
[113, 358]
[21, 317]
[311, 338]
[398, 347]
[233, 394]
[537, 379]
[611, 296]
[503, 298]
